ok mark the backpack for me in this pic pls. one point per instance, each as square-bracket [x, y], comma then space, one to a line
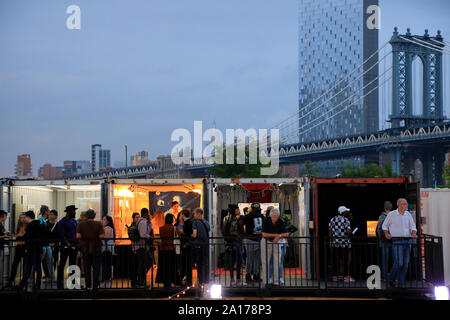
[231, 229]
[133, 232]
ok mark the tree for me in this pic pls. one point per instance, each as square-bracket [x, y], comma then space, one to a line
[368, 171]
[310, 169]
[446, 176]
[237, 170]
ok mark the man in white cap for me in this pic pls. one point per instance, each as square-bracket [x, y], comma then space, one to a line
[338, 231]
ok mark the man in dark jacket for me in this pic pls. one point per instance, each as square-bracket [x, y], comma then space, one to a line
[250, 227]
[67, 229]
[34, 236]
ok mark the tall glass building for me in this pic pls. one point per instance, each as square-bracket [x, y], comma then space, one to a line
[100, 158]
[334, 39]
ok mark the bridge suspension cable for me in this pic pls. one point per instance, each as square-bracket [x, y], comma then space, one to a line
[333, 87]
[426, 46]
[441, 42]
[353, 95]
[339, 112]
[430, 44]
[296, 120]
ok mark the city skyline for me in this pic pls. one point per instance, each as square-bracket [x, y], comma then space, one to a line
[62, 90]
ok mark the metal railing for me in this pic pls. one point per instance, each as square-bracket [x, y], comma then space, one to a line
[299, 263]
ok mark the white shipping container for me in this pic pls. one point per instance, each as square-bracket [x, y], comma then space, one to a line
[435, 205]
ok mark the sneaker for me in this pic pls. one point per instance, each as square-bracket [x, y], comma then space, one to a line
[349, 279]
[335, 278]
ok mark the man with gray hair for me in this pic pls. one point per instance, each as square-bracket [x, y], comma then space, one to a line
[400, 227]
[273, 230]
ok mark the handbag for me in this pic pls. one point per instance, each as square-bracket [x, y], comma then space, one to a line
[176, 241]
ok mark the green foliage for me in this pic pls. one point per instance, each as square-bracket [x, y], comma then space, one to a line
[310, 169]
[371, 170]
[446, 176]
[245, 170]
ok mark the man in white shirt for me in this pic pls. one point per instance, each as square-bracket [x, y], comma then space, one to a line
[400, 227]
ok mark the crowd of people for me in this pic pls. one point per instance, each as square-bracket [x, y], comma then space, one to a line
[43, 245]
[252, 238]
[263, 239]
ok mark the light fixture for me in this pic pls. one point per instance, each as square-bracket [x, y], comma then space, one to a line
[441, 293]
[57, 187]
[216, 291]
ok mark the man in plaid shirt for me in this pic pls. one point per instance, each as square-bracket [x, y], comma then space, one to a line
[340, 244]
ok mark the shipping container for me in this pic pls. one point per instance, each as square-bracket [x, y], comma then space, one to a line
[308, 203]
[365, 198]
[435, 208]
[23, 195]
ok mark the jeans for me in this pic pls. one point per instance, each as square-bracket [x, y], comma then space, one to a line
[70, 253]
[186, 264]
[270, 256]
[143, 263]
[47, 256]
[400, 254]
[235, 252]
[340, 257]
[19, 254]
[385, 254]
[253, 256]
[201, 260]
[106, 261]
[283, 248]
[32, 263]
[91, 269]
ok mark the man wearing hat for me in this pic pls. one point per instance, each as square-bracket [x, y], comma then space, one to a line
[67, 229]
[251, 229]
[338, 231]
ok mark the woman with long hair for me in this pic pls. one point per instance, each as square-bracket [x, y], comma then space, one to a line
[19, 253]
[167, 268]
[107, 248]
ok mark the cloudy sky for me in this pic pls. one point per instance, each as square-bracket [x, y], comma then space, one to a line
[138, 69]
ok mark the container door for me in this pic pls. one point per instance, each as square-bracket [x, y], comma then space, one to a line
[413, 197]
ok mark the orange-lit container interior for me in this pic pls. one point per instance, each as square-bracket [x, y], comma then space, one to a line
[128, 199]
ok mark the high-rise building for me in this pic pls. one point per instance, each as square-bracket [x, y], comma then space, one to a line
[101, 158]
[335, 37]
[23, 166]
[95, 157]
[141, 158]
[105, 159]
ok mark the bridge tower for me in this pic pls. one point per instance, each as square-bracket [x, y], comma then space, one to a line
[405, 49]
[403, 54]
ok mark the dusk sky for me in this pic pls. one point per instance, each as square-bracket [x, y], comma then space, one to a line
[138, 69]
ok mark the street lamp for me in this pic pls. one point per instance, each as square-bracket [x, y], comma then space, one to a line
[126, 156]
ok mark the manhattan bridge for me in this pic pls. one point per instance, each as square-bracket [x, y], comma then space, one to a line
[413, 135]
